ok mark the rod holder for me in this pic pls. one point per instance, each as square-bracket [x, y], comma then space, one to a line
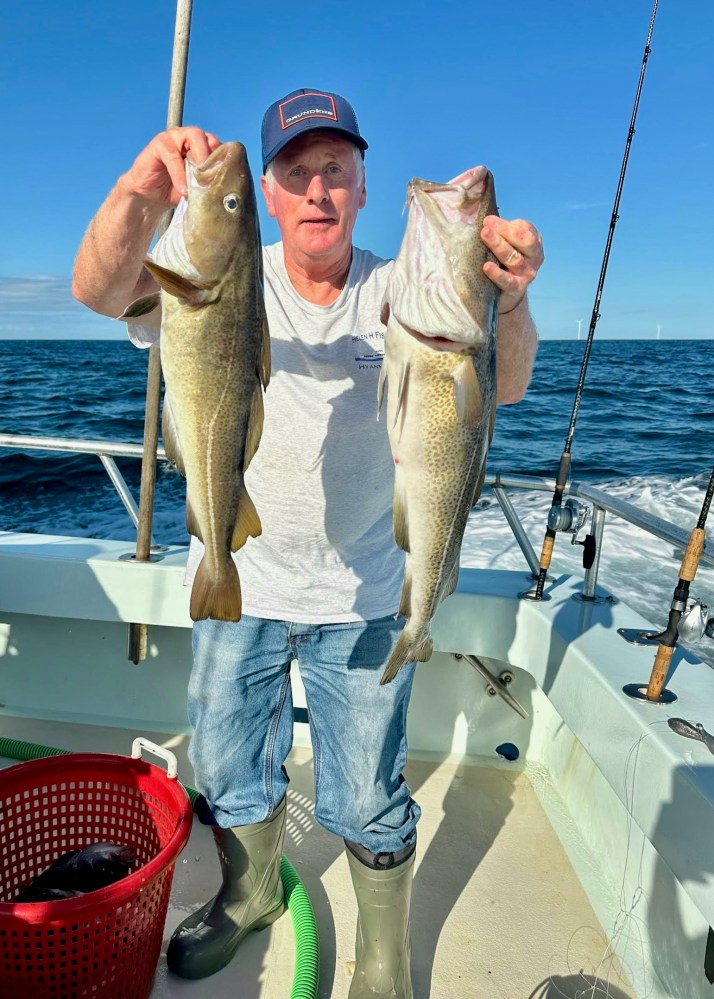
[638, 691]
[137, 643]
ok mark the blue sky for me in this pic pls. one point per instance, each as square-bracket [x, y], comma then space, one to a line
[540, 92]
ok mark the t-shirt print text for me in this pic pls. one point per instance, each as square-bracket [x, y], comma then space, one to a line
[366, 358]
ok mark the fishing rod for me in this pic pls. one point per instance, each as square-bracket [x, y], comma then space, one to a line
[670, 636]
[558, 518]
[138, 633]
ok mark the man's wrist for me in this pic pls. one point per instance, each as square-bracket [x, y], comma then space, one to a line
[150, 210]
[513, 308]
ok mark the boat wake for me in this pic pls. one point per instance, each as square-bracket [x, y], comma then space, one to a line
[639, 569]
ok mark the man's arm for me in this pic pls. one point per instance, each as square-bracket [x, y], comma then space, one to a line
[108, 271]
[518, 246]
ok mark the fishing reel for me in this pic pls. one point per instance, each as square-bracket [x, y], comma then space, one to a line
[570, 518]
[693, 623]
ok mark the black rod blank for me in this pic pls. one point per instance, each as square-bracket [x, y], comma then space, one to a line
[564, 468]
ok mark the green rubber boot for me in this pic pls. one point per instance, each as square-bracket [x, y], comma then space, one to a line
[383, 886]
[250, 898]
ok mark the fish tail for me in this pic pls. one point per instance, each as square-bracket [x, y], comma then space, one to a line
[213, 597]
[407, 651]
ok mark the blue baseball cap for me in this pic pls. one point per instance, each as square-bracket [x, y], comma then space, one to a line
[304, 111]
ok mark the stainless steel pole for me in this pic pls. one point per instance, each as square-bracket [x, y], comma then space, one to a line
[516, 527]
[138, 633]
[598, 526]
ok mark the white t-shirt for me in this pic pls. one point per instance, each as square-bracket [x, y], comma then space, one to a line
[323, 475]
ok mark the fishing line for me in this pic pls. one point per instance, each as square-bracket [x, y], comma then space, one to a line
[555, 519]
[627, 925]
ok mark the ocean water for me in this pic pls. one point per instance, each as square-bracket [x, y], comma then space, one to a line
[645, 431]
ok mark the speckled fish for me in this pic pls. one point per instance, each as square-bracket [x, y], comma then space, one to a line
[215, 354]
[440, 367]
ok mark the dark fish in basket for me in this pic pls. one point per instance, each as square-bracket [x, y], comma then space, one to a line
[36, 893]
[81, 871]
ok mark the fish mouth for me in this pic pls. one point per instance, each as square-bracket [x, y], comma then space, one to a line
[458, 201]
[441, 343]
[206, 174]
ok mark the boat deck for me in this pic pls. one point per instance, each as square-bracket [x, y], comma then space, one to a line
[497, 909]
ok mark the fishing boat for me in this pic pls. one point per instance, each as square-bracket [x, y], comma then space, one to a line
[565, 846]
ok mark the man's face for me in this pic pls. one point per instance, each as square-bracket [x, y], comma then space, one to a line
[316, 196]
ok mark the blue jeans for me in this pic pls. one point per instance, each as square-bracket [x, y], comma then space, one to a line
[241, 710]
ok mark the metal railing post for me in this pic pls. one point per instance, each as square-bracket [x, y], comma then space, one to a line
[138, 633]
[597, 528]
[517, 527]
[121, 487]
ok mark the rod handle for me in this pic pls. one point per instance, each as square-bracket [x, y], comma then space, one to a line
[695, 547]
[659, 672]
[547, 552]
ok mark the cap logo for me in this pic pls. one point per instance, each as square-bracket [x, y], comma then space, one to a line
[313, 105]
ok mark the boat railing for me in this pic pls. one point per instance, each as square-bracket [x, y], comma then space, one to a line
[106, 451]
[602, 503]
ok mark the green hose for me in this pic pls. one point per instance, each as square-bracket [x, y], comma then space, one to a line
[307, 949]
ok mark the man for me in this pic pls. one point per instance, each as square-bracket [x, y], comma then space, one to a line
[322, 583]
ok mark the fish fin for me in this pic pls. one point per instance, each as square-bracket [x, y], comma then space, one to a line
[169, 432]
[400, 515]
[405, 603]
[479, 485]
[264, 365]
[402, 392]
[406, 652]
[185, 289]
[141, 306]
[255, 427]
[247, 523]
[219, 599]
[192, 525]
[452, 582]
[467, 393]
[492, 426]
[380, 386]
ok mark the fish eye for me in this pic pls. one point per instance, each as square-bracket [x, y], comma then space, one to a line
[231, 202]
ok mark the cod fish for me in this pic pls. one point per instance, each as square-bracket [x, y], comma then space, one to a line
[440, 367]
[215, 354]
[80, 871]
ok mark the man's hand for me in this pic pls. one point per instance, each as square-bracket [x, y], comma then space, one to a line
[109, 271]
[158, 174]
[517, 245]
[519, 248]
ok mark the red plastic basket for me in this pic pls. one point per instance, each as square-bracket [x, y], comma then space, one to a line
[105, 944]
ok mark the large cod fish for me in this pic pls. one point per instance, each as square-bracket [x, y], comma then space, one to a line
[440, 367]
[215, 354]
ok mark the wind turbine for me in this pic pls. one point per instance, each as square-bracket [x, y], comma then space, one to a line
[580, 323]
